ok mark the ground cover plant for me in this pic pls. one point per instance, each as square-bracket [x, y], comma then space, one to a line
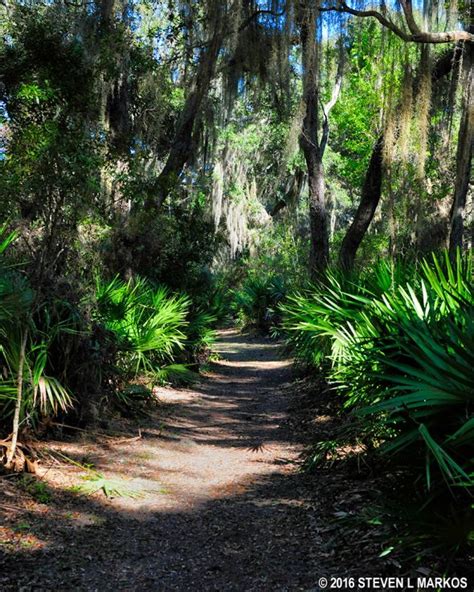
[396, 345]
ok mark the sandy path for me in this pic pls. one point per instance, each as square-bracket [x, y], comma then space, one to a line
[224, 507]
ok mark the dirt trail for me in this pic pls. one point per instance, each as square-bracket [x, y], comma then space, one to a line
[224, 507]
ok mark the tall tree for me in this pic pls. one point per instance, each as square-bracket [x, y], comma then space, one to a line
[182, 144]
[464, 149]
[314, 134]
[372, 187]
[223, 22]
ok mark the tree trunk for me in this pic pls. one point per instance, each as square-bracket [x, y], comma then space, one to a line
[319, 254]
[319, 251]
[464, 154]
[372, 188]
[182, 146]
[371, 193]
[18, 403]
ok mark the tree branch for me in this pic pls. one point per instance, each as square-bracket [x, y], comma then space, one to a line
[416, 35]
[329, 105]
[258, 13]
[410, 19]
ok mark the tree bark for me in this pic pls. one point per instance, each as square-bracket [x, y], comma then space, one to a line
[319, 253]
[182, 145]
[319, 248]
[464, 154]
[371, 194]
[372, 187]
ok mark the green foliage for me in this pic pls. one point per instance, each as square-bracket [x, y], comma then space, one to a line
[37, 489]
[402, 352]
[174, 248]
[255, 303]
[149, 323]
[95, 482]
[201, 332]
[42, 393]
[359, 104]
[265, 276]
[47, 90]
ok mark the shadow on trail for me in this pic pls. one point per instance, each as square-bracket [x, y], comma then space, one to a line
[238, 515]
[259, 540]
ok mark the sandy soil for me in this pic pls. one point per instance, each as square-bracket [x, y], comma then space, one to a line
[222, 505]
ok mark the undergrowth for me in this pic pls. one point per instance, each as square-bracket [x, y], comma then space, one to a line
[396, 343]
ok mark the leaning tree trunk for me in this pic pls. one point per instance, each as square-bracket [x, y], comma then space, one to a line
[371, 193]
[372, 188]
[182, 146]
[464, 154]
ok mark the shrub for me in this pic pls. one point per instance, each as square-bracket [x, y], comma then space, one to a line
[148, 323]
[400, 350]
[26, 387]
[201, 334]
[256, 302]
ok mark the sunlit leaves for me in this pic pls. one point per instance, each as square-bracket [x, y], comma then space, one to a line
[402, 352]
[149, 323]
[41, 392]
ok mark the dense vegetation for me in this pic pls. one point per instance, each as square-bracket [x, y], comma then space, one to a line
[397, 345]
[298, 168]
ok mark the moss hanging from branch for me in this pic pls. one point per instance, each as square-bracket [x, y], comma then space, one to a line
[423, 103]
[405, 113]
